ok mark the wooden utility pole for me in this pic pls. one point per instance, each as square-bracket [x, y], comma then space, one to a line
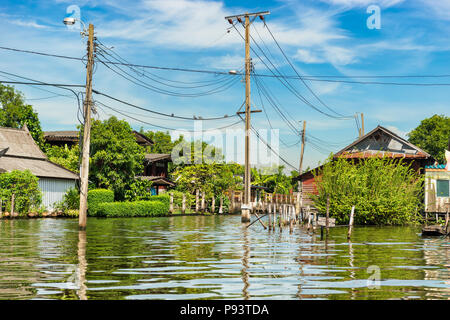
[87, 131]
[362, 124]
[245, 206]
[300, 169]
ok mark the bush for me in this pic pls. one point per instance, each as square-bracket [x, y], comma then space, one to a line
[383, 191]
[97, 196]
[139, 190]
[70, 200]
[165, 198]
[133, 209]
[24, 185]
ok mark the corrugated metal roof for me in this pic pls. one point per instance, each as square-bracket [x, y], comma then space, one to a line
[436, 166]
[157, 180]
[39, 167]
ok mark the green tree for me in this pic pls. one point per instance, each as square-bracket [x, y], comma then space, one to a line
[14, 113]
[432, 135]
[383, 191]
[65, 156]
[116, 158]
[24, 185]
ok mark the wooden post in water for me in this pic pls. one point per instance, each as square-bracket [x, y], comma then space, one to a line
[437, 218]
[328, 214]
[446, 218]
[183, 204]
[213, 204]
[291, 217]
[171, 203]
[426, 218]
[232, 201]
[270, 218]
[203, 202]
[350, 224]
[12, 205]
[197, 204]
[221, 205]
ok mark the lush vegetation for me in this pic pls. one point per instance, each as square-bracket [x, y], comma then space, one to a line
[149, 208]
[15, 113]
[24, 186]
[65, 156]
[432, 135]
[383, 191]
[96, 197]
[70, 201]
[116, 157]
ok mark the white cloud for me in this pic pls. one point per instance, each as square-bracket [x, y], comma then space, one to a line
[362, 3]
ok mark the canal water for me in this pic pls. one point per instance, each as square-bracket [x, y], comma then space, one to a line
[216, 258]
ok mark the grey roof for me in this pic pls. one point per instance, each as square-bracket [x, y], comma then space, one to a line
[152, 157]
[72, 136]
[20, 143]
[41, 168]
[23, 153]
[157, 180]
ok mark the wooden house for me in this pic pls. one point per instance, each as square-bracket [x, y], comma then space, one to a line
[155, 164]
[156, 170]
[20, 152]
[380, 142]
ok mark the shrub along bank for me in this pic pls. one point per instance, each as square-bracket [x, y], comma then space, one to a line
[142, 208]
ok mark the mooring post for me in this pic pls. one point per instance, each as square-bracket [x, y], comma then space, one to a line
[171, 203]
[437, 218]
[221, 205]
[213, 204]
[12, 205]
[328, 214]
[270, 218]
[350, 224]
[446, 217]
[426, 218]
[197, 204]
[232, 201]
[183, 204]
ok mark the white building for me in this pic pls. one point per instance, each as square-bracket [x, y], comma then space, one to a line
[23, 153]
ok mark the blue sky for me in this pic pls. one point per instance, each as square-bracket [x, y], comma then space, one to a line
[321, 38]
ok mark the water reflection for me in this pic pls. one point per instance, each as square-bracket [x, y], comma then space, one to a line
[82, 265]
[245, 257]
[214, 258]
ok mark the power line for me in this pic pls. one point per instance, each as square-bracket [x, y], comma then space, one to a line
[310, 77]
[303, 81]
[163, 127]
[160, 113]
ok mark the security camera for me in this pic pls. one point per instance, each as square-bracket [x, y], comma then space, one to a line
[69, 21]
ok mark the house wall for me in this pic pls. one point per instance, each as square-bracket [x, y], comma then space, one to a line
[432, 202]
[53, 190]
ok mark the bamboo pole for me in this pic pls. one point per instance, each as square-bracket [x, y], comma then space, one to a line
[350, 224]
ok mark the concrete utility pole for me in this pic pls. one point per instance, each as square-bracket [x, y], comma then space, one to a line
[245, 215]
[300, 168]
[87, 131]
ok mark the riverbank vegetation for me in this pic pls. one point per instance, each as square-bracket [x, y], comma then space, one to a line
[384, 191]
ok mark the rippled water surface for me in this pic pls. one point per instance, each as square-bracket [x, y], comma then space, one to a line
[216, 258]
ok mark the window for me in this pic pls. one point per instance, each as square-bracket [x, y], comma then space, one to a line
[442, 188]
